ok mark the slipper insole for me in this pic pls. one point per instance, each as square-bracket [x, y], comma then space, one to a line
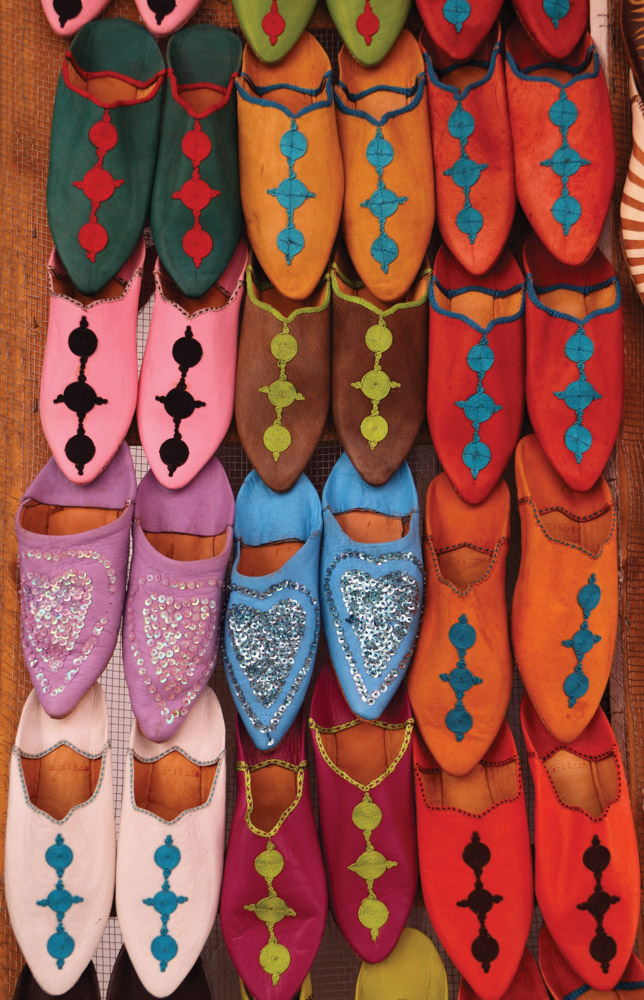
[60, 780]
[261, 560]
[463, 566]
[186, 548]
[480, 306]
[171, 785]
[108, 89]
[367, 526]
[576, 303]
[588, 784]
[273, 789]
[475, 792]
[49, 519]
[590, 535]
[364, 751]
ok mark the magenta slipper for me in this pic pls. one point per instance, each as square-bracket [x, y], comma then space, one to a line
[182, 543]
[187, 383]
[67, 16]
[73, 546]
[367, 816]
[89, 376]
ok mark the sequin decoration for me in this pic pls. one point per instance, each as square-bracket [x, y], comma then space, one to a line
[383, 203]
[281, 393]
[381, 610]
[576, 684]
[172, 641]
[164, 947]
[273, 23]
[465, 172]
[556, 10]
[462, 636]
[274, 957]
[291, 192]
[479, 407]
[98, 186]
[370, 866]
[485, 948]
[266, 644]
[579, 395]
[55, 607]
[565, 162]
[456, 13]
[196, 194]
[59, 857]
[603, 947]
[368, 24]
[376, 384]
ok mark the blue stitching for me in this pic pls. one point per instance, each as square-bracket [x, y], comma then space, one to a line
[535, 290]
[456, 13]
[466, 319]
[383, 202]
[291, 193]
[576, 993]
[164, 947]
[465, 172]
[556, 10]
[418, 89]
[462, 636]
[260, 91]
[436, 80]
[59, 857]
[565, 162]
[576, 684]
[525, 74]
[479, 407]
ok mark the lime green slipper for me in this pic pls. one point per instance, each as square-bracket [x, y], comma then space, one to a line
[272, 27]
[369, 28]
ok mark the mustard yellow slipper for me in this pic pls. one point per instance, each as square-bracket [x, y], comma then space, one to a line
[306, 990]
[413, 970]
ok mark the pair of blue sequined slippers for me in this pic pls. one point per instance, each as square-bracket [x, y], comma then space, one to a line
[354, 562]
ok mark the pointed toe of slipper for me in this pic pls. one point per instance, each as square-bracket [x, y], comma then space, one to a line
[369, 28]
[273, 27]
[554, 25]
[458, 26]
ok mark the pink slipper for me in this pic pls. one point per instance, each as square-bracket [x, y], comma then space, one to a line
[187, 384]
[163, 17]
[89, 375]
[67, 16]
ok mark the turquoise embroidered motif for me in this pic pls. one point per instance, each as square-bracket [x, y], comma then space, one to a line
[578, 395]
[565, 162]
[478, 407]
[576, 684]
[164, 947]
[456, 12]
[462, 636]
[383, 203]
[291, 192]
[61, 944]
[556, 10]
[465, 172]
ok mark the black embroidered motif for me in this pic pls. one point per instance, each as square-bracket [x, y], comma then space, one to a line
[161, 8]
[602, 947]
[67, 9]
[179, 403]
[476, 856]
[80, 398]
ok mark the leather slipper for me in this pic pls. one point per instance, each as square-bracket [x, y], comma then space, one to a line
[458, 26]
[369, 28]
[554, 25]
[272, 27]
[125, 984]
[563, 983]
[414, 968]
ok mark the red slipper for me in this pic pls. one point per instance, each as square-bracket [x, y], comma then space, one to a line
[458, 26]
[565, 984]
[526, 985]
[586, 857]
[554, 25]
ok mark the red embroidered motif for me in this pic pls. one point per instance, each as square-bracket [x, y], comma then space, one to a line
[196, 194]
[273, 23]
[368, 24]
[98, 185]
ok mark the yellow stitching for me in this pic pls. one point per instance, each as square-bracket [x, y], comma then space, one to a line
[408, 726]
[274, 957]
[300, 768]
[376, 384]
[372, 912]
[242, 766]
[281, 393]
[357, 722]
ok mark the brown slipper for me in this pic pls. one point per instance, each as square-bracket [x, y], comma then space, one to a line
[379, 370]
[283, 378]
[126, 985]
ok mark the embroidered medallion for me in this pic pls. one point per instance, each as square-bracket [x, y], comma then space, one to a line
[80, 397]
[479, 407]
[67, 10]
[576, 684]
[59, 857]
[603, 947]
[161, 9]
[381, 610]
[565, 162]
[274, 957]
[556, 10]
[180, 404]
[371, 865]
[465, 172]
[281, 393]
[368, 24]
[462, 636]
[98, 186]
[480, 901]
[273, 23]
[291, 192]
[383, 203]
[376, 384]
[164, 947]
[456, 13]
[578, 395]
[196, 194]
[266, 644]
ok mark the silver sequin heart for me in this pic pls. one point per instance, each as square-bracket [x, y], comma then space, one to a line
[381, 610]
[54, 609]
[178, 632]
[266, 644]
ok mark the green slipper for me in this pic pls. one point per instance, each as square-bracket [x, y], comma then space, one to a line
[272, 27]
[104, 139]
[369, 28]
[196, 214]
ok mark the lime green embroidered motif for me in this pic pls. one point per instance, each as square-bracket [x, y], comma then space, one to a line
[373, 913]
[281, 393]
[376, 384]
[274, 957]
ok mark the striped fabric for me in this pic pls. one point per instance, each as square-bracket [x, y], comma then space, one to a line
[632, 206]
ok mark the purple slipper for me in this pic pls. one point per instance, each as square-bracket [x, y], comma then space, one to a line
[73, 545]
[182, 544]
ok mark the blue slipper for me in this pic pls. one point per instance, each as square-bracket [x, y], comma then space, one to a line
[273, 617]
[371, 580]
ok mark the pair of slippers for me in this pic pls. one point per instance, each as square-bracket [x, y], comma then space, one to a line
[160, 17]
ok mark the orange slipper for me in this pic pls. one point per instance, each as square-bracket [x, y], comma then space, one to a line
[526, 985]
[461, 675]
[475, 862]
[290, 165]
[383, 122]
[586, 856]
[564, 984]
[568, 579]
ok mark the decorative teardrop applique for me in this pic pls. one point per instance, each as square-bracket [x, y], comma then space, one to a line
[179, 403]
[273, 24]
[370, 866]
[196, 194]
[164, 947]
[576, 684]
[480, 901]
[579, 395]
[376, 384]
[67, 10]
[603, 947]
[291, 193]
[565, 162]
[98, 186]
[465, 172]
[462, 636]
[161, 9]
[368, 23]
[479, 407]
[281, 393]
[383, 203]
[556, 10]
[80, 397]
[456, 13]
[274, 957]
[61, 944]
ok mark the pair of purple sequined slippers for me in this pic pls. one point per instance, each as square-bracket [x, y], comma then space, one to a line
[73, 548]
